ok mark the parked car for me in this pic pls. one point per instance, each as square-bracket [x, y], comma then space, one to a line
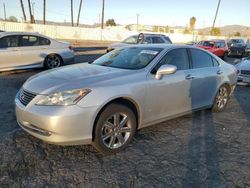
[105, 102]
[21, 50]
[236, 47]
[217, 47]
[247, 50]
[141, 39]
[243, 69]
[192, 43]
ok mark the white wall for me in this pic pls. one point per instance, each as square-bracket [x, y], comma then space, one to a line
[78, 33]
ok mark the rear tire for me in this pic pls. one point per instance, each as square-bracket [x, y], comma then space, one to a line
[221, 99]
[52, 61]
[115, 129]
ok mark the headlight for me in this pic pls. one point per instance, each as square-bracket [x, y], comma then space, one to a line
[64, 98]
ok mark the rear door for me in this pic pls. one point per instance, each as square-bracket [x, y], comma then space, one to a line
[33, 50]
[206, 75]
[9, 51]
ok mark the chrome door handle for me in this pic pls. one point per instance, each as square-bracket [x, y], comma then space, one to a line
[219, 72]
[189, 77]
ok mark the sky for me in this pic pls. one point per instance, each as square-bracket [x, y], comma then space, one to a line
[151, 12]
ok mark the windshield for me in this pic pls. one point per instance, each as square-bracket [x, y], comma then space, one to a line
[129, 58]
[207, 43]
[131, 40]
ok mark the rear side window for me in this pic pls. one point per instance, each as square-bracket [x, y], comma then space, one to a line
[43, 41]
[148, 40]
[167, 39]
[177, 57]
[157, 40]
[9, 41]
[201, 59]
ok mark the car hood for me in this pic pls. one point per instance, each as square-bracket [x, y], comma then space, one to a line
[205, 47]
[72, 77]
[243, 65]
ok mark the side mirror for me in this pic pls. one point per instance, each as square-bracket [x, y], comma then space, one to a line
[165, 70]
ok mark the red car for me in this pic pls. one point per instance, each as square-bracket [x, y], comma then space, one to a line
[217, 47]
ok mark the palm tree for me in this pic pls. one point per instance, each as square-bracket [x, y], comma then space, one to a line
[44, 10]
[192, 22]
[72, 21]
[80, 6]
[31, 16]
[24, 15]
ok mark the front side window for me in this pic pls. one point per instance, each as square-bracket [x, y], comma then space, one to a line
[148, 40]
[157, 40]
[201, 59]
[9, 41]
[129, 58]
[177, 57]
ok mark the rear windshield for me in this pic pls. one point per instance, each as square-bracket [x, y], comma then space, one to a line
[129, 58]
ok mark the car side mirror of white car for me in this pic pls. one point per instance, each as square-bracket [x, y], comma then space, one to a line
[165, 70]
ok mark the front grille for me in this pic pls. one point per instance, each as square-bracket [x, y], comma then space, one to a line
[245, 72]
[25, 97]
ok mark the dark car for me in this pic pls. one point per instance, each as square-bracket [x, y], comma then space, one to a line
[236, 47]
[247, 50]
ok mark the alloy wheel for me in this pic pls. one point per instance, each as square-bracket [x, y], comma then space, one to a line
[116, 130]
[222, 97]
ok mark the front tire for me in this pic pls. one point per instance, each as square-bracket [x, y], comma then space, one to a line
[52, 61]
[221, 99]
[115, 129]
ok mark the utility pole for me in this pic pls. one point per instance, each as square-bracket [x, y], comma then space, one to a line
[4, 12]
[216, 14]
[137, 15]
[24, 15]
[44, 10]
[103, 3]
[72, 19]
[79, 12]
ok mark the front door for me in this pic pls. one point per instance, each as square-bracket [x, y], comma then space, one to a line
[170, 95]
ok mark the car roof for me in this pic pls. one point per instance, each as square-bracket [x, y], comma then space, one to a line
[21, 33]
[163, 45]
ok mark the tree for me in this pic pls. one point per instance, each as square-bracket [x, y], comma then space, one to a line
[44, 10]
[13, 19]
[110, 22]
[215, 31]
[22, 7]
[192, 22]
[31, 16]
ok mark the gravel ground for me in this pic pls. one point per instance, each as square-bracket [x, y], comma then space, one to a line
[203, 149]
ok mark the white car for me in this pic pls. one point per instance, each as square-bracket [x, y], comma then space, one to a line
[21, 50]
[243, 69]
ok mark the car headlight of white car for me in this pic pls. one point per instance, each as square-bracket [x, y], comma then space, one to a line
[64, 98]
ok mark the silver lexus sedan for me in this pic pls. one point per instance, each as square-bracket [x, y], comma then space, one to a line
[105, 102]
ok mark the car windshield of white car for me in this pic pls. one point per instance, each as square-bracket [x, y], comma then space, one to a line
[131, 40]
[129, 58]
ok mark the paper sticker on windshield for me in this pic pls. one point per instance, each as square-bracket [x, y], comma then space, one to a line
[150, 52]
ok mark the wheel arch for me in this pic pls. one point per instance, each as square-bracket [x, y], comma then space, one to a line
[127, 101]
[47, 55]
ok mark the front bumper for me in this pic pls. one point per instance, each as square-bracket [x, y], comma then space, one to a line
[62, 125]
[244, 78]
